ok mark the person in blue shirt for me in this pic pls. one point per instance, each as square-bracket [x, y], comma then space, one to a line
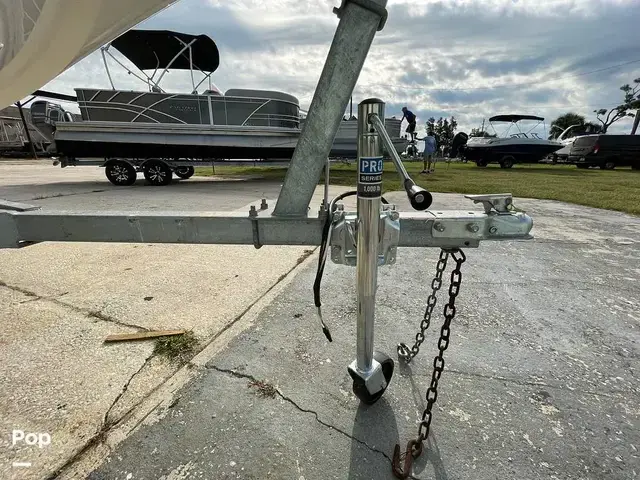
[430, 147]
[411, 118]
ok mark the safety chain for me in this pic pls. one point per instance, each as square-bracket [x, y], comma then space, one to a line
[414, 447]
[403, 351]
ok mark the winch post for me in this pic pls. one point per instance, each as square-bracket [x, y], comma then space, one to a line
[368, 220]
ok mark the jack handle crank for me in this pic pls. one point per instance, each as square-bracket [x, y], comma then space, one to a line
[414, 449]
[419, 197]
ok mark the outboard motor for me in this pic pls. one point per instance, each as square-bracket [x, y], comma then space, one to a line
[459, 141]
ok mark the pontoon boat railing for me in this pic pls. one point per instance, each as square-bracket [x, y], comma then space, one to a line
[273, 120]
[270, 118]
[11, 133]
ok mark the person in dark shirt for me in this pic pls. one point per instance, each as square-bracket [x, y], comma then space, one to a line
[411, 118]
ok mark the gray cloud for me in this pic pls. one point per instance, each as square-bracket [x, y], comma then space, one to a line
[220, 23]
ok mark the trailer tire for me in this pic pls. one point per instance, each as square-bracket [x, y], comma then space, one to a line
[610, 165]
[581, 165]
[481, 163]
[507, 161]
[184, 172]
[157, 172]
[120, 173]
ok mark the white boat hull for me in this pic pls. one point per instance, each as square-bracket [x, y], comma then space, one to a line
[157, 140]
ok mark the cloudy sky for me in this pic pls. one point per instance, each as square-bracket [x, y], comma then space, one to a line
[467, 58]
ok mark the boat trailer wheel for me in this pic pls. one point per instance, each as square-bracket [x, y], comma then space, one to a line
[120, 173]
[507, 161]
[359, 387]
[184, 172]
[157, 172]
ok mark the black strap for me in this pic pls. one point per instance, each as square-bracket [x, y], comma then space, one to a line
[324, 246]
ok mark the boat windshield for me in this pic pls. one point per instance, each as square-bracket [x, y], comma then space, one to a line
[514, 122]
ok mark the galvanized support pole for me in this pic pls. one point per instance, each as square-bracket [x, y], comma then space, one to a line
[370, 164]
[359, 21]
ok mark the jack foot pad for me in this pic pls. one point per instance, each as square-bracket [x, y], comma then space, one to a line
[370, 387]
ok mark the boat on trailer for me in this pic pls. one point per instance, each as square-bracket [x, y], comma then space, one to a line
[344, 143]
[165, 131]
[510, 147]
[240, 123]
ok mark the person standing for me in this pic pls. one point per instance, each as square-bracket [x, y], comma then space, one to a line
[411, 118]
[430, 147]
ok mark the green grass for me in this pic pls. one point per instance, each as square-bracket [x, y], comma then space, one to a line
[617, 189]
[177, 348]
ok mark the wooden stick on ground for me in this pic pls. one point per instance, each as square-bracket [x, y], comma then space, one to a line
[123, 337]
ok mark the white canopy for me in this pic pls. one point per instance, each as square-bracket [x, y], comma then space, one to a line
[40, 39]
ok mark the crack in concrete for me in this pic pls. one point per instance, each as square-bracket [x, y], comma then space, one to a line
[20, 290]
[105, 422]
[101, 433]
[59, 195]
[99, 437]
[89, 313]
[99, 315]
[236, 374]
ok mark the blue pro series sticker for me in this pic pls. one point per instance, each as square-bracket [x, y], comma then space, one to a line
[370, 177]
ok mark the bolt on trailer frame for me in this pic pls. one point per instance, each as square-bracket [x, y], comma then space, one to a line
[366, 239]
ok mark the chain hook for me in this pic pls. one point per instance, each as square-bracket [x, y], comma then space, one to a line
[414, 450]
[404, 352]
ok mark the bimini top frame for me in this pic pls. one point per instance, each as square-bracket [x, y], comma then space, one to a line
[513, 120]
[162, 50]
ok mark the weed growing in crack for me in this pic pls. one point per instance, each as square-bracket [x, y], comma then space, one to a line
[264, 389]
[177, 348]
